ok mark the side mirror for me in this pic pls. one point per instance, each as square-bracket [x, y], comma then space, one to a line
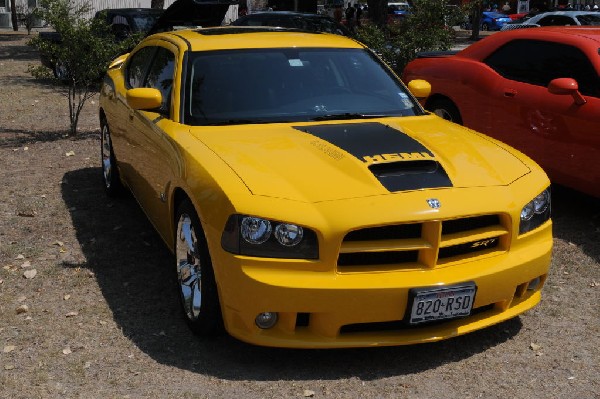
[419, 88]
[562, 86]
[144, 98]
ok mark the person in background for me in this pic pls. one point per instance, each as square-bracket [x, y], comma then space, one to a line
[358, 14]
[350, 14]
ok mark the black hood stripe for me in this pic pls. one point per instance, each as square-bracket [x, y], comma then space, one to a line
[397, 160]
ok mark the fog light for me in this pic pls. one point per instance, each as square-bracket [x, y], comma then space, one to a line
[534, 284]
[266, 320]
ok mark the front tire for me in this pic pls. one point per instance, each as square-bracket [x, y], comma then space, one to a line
[446, 109]
[110, 170]
[196, 282]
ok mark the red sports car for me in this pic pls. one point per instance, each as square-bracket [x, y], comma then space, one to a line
[535, 89]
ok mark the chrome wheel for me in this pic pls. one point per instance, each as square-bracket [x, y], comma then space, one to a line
[189, 270]
[196, 282]
[442, 113]
[107, 156]
[61, 72]
[110, 172]
[445, 108]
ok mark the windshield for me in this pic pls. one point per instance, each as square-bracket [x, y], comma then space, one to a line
[290, 85]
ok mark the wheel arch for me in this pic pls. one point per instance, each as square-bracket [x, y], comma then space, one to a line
[441, 98]
[437, 97]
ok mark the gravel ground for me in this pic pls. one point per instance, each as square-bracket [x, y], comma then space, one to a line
[88, 307]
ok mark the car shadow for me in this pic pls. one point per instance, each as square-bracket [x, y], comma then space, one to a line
[571, 208]
[133, 269]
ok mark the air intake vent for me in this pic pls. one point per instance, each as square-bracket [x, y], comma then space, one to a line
[381, 170]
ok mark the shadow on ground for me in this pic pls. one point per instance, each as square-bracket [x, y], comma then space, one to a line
[11, 138]
[571, 208]
[20, 52]
[132, 267]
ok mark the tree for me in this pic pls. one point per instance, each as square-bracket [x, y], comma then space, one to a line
[85, 49]
[423, 29]
[13, 15]
[474, 9]
[27, 16]
[378, 12]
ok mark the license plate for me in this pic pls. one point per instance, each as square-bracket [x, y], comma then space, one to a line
[432, 304]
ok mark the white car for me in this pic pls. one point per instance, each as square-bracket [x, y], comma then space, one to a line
[557, 18]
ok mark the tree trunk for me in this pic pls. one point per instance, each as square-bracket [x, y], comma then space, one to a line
[160, 4]
[378, 12]
[476, 21]
[13, 12]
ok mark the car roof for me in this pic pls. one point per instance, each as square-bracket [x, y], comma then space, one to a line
[565, 13]
[245, 37]
[290, 13]
[546, 33]
[133, 10]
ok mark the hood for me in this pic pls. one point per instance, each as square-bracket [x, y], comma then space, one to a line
[194, 13]
[324, 162]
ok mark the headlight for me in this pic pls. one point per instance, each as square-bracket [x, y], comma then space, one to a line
[253, 236]
[255, 230]
[536, 212]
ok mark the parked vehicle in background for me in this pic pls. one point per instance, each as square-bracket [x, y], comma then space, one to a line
[557, 18]
[124, 22]
[521, 17]
[489, 21]
[289, 19]
[493, 20]
[535, 89]
[398, 10]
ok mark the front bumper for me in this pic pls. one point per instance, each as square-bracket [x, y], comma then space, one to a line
[319, 309]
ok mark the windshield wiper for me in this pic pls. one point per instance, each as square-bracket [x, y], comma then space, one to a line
[234, 122]
[347, 115]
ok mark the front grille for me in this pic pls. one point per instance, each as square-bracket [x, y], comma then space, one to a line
[423, 245]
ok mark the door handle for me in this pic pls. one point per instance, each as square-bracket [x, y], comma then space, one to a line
[510, 92]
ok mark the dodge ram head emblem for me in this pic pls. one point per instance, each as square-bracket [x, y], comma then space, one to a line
[434, 203]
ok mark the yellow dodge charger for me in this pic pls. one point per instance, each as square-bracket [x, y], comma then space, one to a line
[308, 198]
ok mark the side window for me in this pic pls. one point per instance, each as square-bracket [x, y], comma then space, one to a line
[138, 66]
[538, 62]
[160, 76]
[556, 20]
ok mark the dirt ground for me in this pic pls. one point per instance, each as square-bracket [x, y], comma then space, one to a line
[88, 307]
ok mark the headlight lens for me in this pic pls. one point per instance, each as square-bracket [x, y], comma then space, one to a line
[255, 230]
[253, 236]
[536, 212]
[289, 234]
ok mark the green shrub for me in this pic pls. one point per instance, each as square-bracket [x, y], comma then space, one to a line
[424, 29]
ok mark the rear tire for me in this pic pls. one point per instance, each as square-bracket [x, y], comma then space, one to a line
[446, 109]
[196, 281]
